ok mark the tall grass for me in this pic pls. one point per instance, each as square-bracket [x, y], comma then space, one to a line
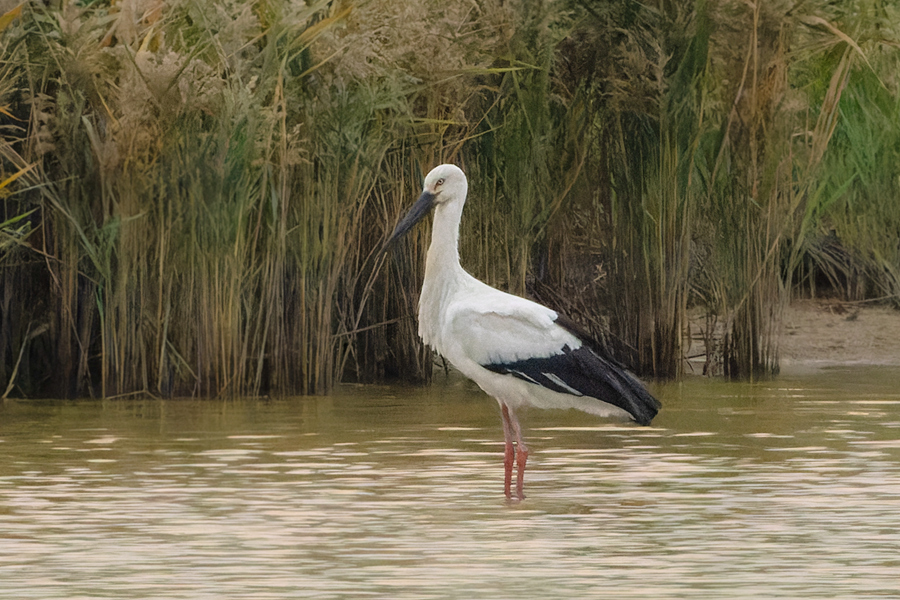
[527, 154]
[855, 228]
[195, 191]
[708, 163]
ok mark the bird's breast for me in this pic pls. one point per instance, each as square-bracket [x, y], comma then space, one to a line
[431, 309]
[440, 290]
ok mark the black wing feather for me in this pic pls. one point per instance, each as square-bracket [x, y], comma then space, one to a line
[585, 372]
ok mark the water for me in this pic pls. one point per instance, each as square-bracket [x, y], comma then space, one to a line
[783, 489]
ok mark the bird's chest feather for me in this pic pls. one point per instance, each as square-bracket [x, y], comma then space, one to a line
[433, 305]
[439, 295]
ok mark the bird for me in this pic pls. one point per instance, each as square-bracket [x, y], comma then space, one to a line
[520, 352]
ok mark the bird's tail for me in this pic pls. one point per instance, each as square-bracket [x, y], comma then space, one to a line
[623, 389]
[641, 404]
[616, 384]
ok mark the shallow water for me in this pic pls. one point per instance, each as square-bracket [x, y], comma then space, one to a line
[788, 488]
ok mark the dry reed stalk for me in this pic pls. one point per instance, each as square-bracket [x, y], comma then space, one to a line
[203, 234]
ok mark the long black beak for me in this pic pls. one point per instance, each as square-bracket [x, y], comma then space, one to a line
[416, 213]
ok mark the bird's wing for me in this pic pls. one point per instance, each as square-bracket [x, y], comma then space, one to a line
[510, 335]
[585, 372]
[500, 328]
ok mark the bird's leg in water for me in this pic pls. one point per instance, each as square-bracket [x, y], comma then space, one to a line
[508, 452]
[511, 429]
[521, 457]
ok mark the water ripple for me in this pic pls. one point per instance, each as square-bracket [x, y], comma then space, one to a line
[780, 491]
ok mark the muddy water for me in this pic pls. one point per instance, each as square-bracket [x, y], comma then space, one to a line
[789, 488]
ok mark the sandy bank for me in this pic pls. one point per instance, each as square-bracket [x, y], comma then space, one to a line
[827, 332]
[819, 333]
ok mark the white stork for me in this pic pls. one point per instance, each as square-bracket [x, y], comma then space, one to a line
[519, 352]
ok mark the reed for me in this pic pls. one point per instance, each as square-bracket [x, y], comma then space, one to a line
[709, 165]
[194, 193]
[852, 243]
[527, 154]
[646, 113]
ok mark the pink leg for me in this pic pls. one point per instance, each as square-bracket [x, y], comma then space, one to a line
[507, 453]
[511, 429]
[521, 457]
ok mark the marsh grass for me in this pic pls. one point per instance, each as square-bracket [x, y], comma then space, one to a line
[195, 192]
[855, 248]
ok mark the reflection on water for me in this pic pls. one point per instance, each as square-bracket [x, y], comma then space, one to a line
[789, 488]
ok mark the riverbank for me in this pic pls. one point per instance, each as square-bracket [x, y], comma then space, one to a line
[820, 333]
[830, 332]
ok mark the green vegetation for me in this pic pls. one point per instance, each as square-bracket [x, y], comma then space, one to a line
[194, 191]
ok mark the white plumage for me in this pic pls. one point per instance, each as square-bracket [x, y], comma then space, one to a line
[519, 352]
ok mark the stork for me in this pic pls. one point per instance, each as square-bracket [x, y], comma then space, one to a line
[518, 351]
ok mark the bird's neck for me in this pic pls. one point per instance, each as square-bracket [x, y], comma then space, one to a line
[443, 273]
[442, 264]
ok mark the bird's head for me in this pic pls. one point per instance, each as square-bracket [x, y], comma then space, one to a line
[443, 185]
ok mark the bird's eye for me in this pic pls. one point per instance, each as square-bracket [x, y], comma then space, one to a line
[440, 182]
